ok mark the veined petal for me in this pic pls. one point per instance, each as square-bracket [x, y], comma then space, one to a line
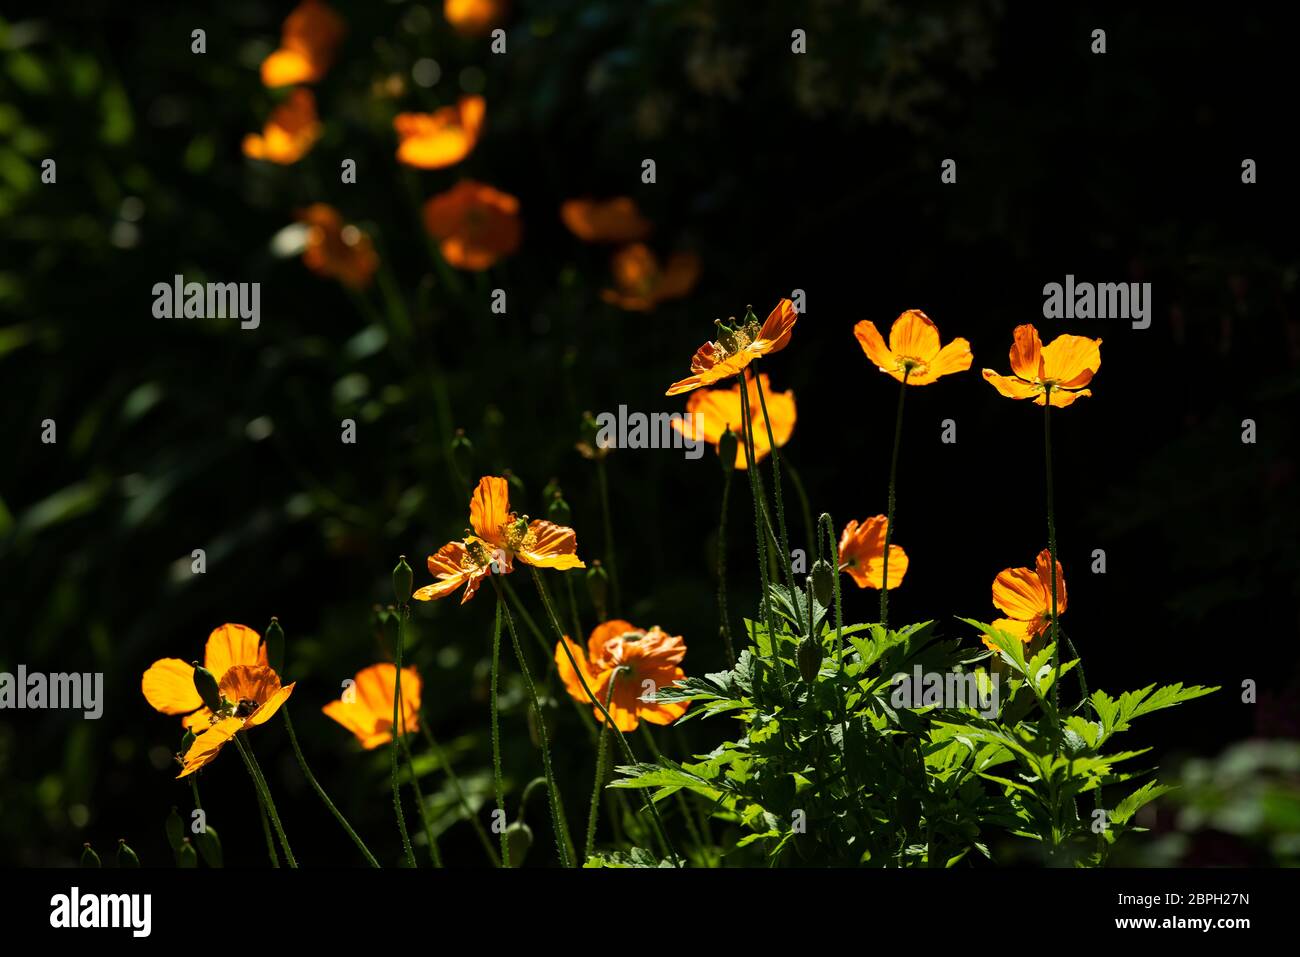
[209, 744]
[229, 645]
[168, 686]
[1026, 353]
[1063, 397]
[1011, 386]
[1043, 569]
[270, 706]
[599, 640]
[914, 335]
[489, 508]
[1071, 360]
[1012, 627]
[777, 328]
[954, 357]
[1018, 593]
[551, 546]
[873, 344]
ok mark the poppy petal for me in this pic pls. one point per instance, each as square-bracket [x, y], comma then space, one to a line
[168, 686]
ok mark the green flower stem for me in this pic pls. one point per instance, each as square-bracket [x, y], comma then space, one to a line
[1051, 547]
[604, 712]
[497, 781]
[725, 627]
[461, 799]
[594, 812]
[259, 782]
[320, 791]
[392, 751]
[833, 551]
[603, 480]
[435, 853]
[573, 609]
[889, 519]
[765, 605]
[776, 485]
[266, 830]
[559, 826]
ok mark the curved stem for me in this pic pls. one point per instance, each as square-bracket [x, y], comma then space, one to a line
[776, 484]
[1051, 547]
[320, 791]
[593, 812]
[392, 751]
[259, 782]
[434, 852]
[765, 604]
[722, 571]
[833, 550]
[558, 824]
[889, 519]
[497, 781]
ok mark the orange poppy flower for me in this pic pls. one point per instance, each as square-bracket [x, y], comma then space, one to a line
[499, 538]
[475, 225]
[642, 283]
[1025, 596]
[862, 554]
[472, 17]
[1061, 368]
[337, 250]
[253, 694]
[290, 132]
[441, 138]
[637, 661]
[736, 348]
[605, 221]
[913, 349]
[368, 710]
[722, 413]
[168, 685]
[310, 37]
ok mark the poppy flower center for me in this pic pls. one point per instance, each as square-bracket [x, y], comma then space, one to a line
[245, 708]
[912, 364]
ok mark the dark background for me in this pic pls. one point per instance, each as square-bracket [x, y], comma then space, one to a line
[818, 172]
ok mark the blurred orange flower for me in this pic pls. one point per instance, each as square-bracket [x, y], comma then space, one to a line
[441, 138]
[308, 41]
[722, 413]
[638, 662]
[642, 284]
[736, 348]
[290, 132]
[1061, 368]
[913, 349]
[473, 17]
[1025, 596]
[605, 221]
[254, 695]
[168, 685]
[862, 554]
[335, 249]
[499, 538]
[475, 225]
[367, 708]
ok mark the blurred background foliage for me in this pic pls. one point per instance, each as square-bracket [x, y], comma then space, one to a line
[780, 171]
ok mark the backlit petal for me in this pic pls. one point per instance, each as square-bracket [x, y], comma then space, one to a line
[230, 645]
[489, 508]
[914, 335]
[1026, 353]
[168, 686]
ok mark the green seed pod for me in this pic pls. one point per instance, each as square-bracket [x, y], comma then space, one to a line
[88, 856]
[810, 659]
[558, 511]
[403, 581]
[597, 587]
[125, 856]
[823, 579]
[187, 742]
[519, 838]
[187, 856]
[206, 685]
[275, 646]
[728, 446]
[209, 844]
[175, 830]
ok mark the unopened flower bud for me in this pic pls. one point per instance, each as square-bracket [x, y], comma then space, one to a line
[823, 581]
[125, 856]
[275, 646]
[88, 856]
[175, 830]
[810, 659]
[206, 685]
[598, 586]
[519, 838]
[187, 856]
[728, 447]
[403, 581]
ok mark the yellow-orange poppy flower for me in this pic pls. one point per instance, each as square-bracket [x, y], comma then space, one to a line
[290, 132]
[641, 283]
[472, 17]
[465, 563]
[367, 711]
[862, 554]
[336, 249]
[441, 138]
[168, 685]
[254, 695]
[1024, 595]
[308, 41]
[637, 661]
[1061, 368]
[913, 349]
[722, 413]
[475, 225]
[614, 220]
[736, 348]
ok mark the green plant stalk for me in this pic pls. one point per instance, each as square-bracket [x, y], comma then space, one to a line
[610, 563]
[889, 518]
[593, 812]
[573, 610]
[1051, 547]
[392, 751]
[722, 571]
[266, 830]
[259, 782]
[497, 780]
[559, 825]
[765, 605]
[461, 799]
[776, 485]
[320, 791]
[604, 712]
[833, 551]
[435, 854]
